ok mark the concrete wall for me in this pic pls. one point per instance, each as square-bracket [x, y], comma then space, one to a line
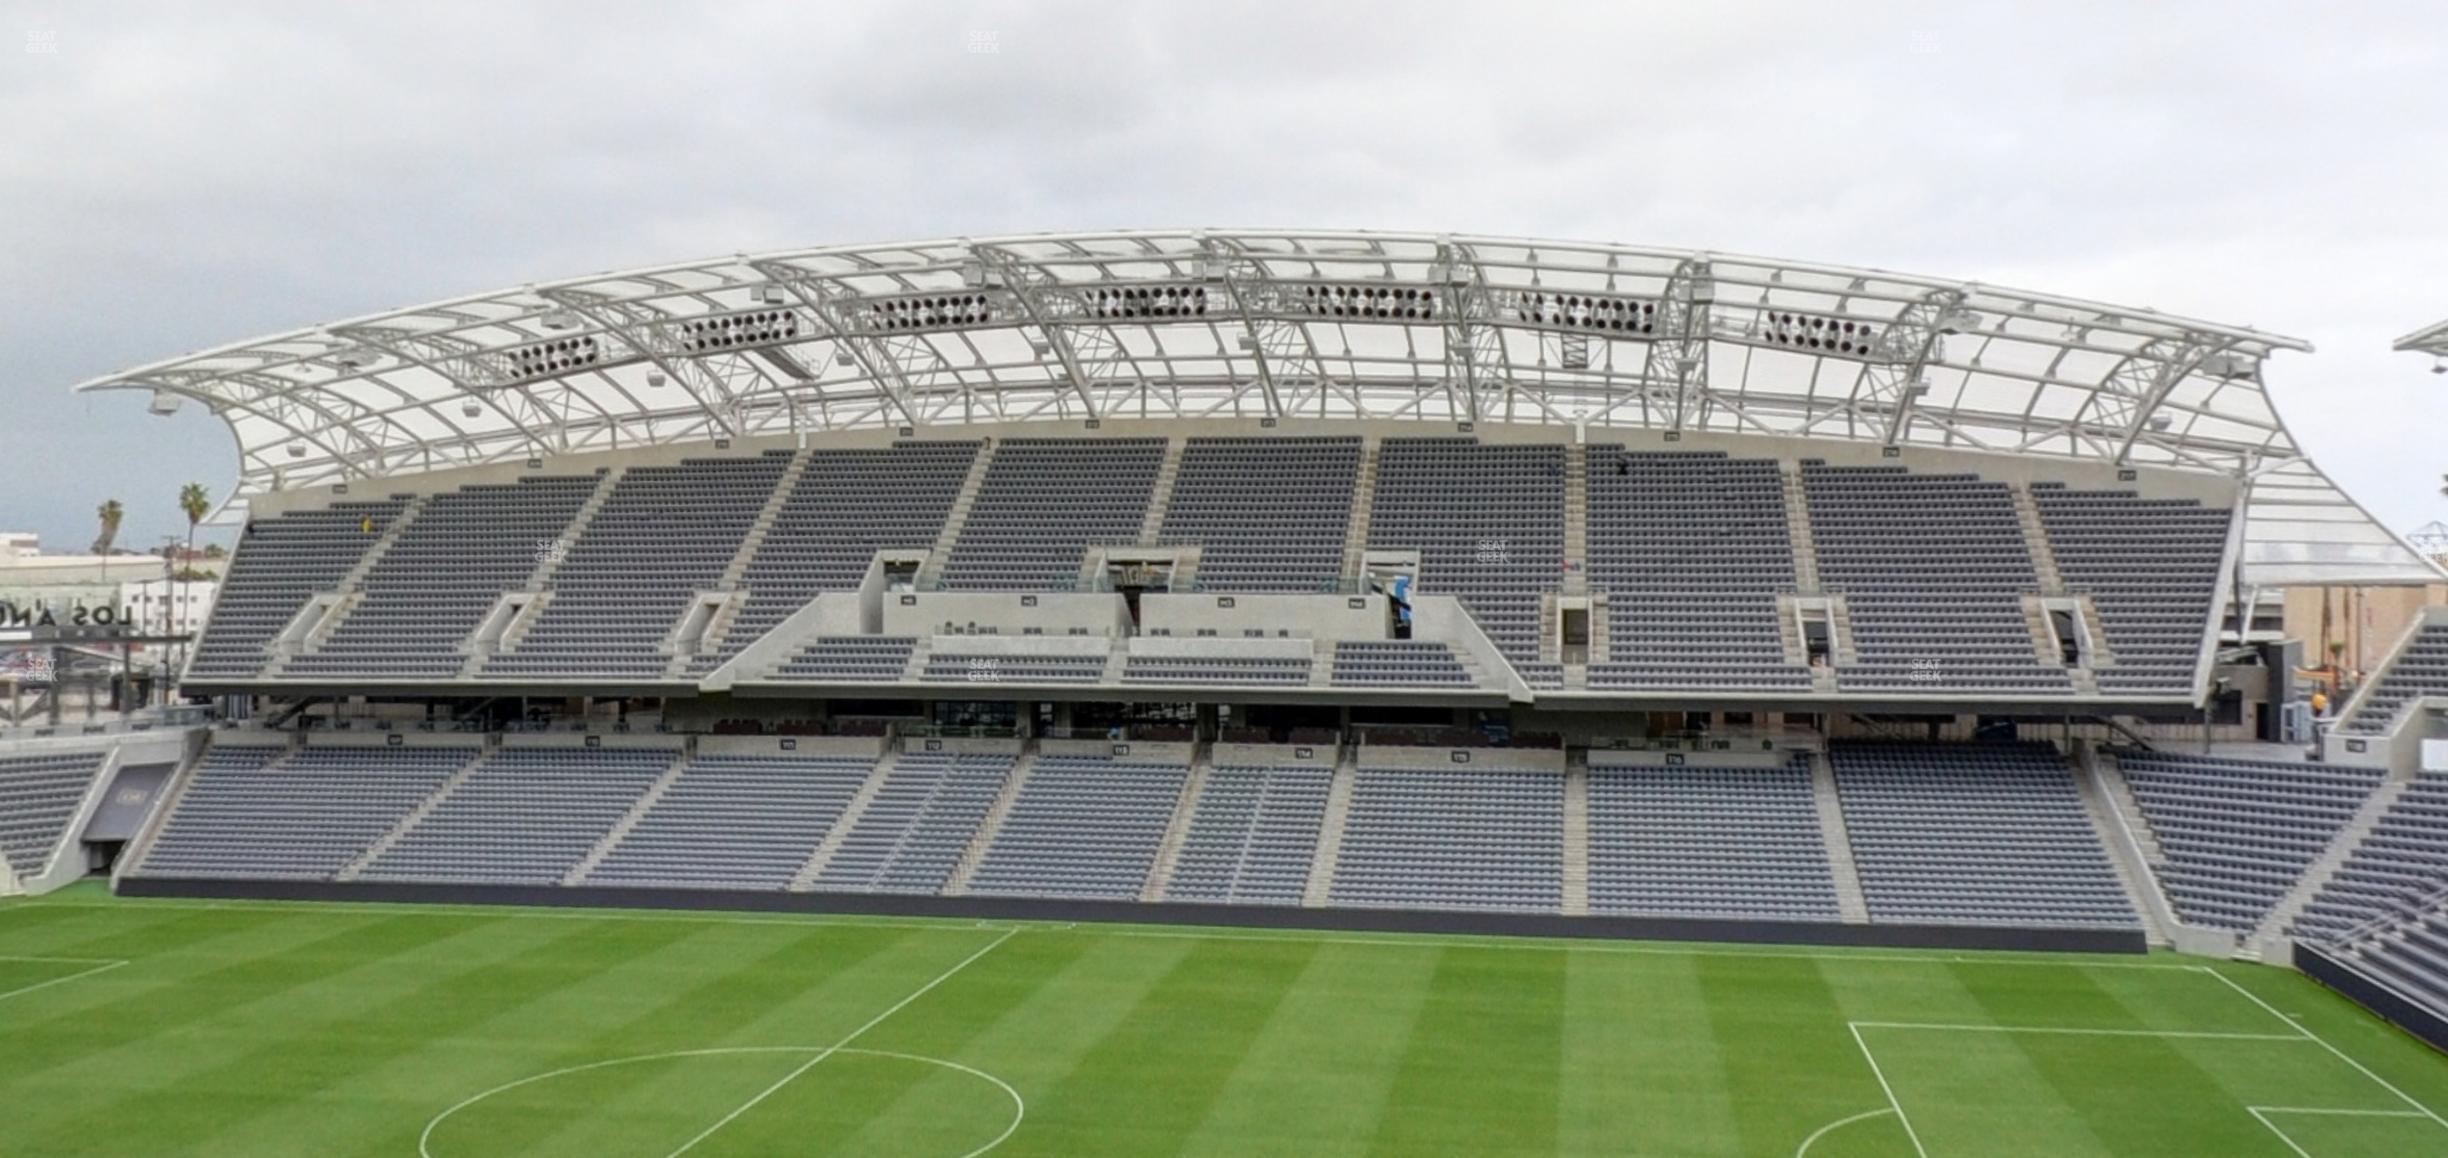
[1053, 613]
[1159, 752]
[857, 747]
[1317, 755]
[1464, 759]
[1323, 617]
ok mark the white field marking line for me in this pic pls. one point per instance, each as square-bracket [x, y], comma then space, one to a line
[1892, 1103]
[97, 965]
[836, 1047]
[2341, 1113]
[2322, 1042]
[1839, 1124]
[1406, 941]
[2272, 1127]
[1019, 1104]
[417, 909]
[2078, 1031]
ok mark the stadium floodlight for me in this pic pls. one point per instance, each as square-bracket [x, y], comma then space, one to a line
[471, 409]
[164, 403]
[655, 379]
[297, 450]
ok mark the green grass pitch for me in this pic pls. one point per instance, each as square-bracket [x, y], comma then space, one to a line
[132, 1027]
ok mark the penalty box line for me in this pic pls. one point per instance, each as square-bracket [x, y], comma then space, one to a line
[93, 966]
[2316, 1039]
[838, 1046]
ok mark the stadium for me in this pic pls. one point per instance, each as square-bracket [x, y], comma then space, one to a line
[1248, 692]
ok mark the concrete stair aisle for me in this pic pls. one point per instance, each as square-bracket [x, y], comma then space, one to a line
[1321, 664]
[930, 572]
[415, 817]
[718, 629]
[1168, 854]
[133, 857]
[1160, 497]
[973, 856]
[1798, 530]
[1601, 628]
[1576, 836]
[351, 588]
[805, 879]
[2133, 851]
[548, 564]
[628, 820]
[2035, 536]
[2269, 941]
[1839, 840]
[1330, 831]
[2128, 806]
[1576, 513]
[1364, 500]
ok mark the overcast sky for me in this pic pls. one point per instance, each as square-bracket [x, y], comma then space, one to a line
[177, 177]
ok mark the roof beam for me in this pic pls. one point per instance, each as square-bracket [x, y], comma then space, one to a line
[635, 326]
[1474, 343]
[831, 303]
[1032, 288]
[1679, 352]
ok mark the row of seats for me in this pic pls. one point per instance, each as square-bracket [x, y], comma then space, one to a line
[2238, 834]
[2420, 668]
[1986, 834]
[2404, 856]
[39, 796]
[1085, 827]
[1692, 549]
[1974, 834]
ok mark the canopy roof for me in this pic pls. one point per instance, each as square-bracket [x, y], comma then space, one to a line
[1197, 323]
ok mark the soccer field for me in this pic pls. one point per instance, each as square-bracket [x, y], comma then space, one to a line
[166, 1027]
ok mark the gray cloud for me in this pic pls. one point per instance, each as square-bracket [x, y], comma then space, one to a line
[178, 176]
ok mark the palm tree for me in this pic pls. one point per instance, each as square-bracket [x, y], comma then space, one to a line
[111, 512]
[195, 503]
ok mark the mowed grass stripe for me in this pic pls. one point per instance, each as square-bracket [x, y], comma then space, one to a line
[360, 1067]
[1030, 1015]
[803, 987]
[2135, 1095]
[263, 1056]
[1173, 1050]
[1811, 1077]
[170, 991]
[1480, 1073]
[1639, 1049]
[1316, 1079]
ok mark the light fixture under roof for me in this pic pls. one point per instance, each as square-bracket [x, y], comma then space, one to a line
[655, 379]
[164, 403]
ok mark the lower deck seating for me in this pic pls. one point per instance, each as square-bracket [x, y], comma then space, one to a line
[1253, 835]
[1398, 663]
[1992, 834]
[2404, 856]
[2239, 833]
[306, 817]
[997, 668]
[1165, 669]
[2419, 669]
[39, 796]
[1082, 826]
[1696, 841]
[735, 822]
[526, 816]
[2410, 954]
[851, 659]
[911, 836]
[1439, 838]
